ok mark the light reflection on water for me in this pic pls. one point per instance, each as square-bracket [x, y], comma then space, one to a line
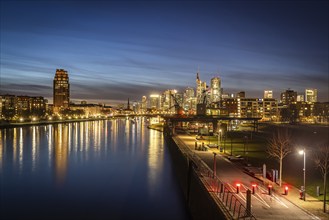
[102, 167]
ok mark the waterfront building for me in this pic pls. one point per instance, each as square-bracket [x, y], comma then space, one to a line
[288, 97]
[85, 109]
[268, 94]
[28, 106]
[311, 95]
[215, 89]
[9, 104]
[61, 90]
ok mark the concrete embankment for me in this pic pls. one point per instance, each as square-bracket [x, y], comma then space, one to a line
[201, 203]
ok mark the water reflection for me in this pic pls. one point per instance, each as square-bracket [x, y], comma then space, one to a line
[155, 159]
[1, 151]
[93, 165]
[60, 153]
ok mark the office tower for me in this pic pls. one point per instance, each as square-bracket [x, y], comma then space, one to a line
[189, 103]
[300, 98]
[144, 104]
[288, 97]
[311, 95]
[215, 89]
[155, 101]
[268, 94]
[200, 88]
[61, 90]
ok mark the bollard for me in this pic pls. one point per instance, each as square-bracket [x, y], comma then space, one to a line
[238, 188]
[269, 189]
[248, 205]
[253, 188]
[221, 188]
[286, 190]
[196, 145]
[318, 191]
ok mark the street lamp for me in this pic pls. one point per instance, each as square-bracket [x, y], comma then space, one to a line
[303, 152]
[214, 165]
[219, 136]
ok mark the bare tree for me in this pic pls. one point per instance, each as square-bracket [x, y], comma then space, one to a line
[279, 146]
[321, 159]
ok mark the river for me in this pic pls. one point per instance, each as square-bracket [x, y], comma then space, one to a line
[107, 169]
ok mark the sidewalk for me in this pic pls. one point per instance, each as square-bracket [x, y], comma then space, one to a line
[311, 205]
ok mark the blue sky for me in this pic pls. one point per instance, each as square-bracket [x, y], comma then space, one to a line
[116, 50]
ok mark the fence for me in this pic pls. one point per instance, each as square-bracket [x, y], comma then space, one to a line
[223, 195]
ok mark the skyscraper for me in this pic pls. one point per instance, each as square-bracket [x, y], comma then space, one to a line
[61, 90]
[311, 95]
[215, 89]
[200, 88]
[288, 97]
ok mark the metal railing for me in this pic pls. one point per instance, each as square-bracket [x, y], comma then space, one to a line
[224, 195]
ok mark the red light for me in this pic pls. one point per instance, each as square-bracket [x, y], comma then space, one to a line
[253, 185]
[286, 188]
[238, 184]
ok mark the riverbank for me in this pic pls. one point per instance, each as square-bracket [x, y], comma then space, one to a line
[157, 127]
[23, 124]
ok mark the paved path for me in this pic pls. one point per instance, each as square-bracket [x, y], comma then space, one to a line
[264, 206]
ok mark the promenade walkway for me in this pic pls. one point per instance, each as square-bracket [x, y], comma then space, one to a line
[267, 209]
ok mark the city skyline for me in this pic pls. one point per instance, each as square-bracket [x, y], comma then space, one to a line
[122, 50]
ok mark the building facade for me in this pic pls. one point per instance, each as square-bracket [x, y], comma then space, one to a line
[61, 93]
[288, 97]
[311, 95]
[268, 94]
[215, 89]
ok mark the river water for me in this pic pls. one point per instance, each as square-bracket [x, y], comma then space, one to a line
[115, 169]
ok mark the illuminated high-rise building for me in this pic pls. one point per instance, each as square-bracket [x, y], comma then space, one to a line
[288, 97]
[155, 101]
[215, 89]
[144, 104]
[300, 98]
[311, 95]
[200, 88]
[268, 94]
[61, 90]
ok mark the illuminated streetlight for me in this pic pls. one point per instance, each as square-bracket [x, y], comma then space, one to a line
[303, 152]
[21, 119]
[219, 138]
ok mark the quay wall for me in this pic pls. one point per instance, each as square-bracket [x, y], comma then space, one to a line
[200, 201]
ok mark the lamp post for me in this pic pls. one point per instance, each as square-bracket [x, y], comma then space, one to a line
[214, 165]
[304, 170]
[219, 138]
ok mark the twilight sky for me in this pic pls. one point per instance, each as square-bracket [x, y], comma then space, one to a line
[123, 49]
